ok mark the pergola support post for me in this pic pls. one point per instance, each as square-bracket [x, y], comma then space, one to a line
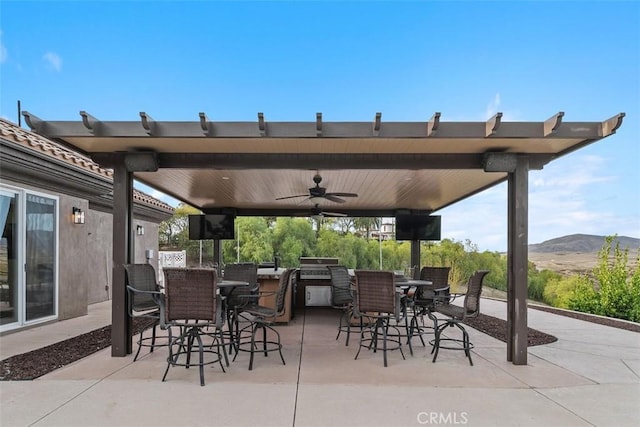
[517, 261]
[217, 253]
[122, 253]
[415, 254]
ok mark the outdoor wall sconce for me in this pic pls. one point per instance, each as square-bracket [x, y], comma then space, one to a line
[77, 215]
[139, 230]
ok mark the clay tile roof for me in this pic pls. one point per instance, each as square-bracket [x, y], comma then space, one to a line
[35, 142]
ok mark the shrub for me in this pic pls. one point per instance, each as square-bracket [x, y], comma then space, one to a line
[614, 289]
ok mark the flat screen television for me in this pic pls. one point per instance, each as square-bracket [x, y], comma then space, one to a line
[418, 227]
[211, 227]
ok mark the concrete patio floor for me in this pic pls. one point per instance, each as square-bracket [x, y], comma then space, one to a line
[590, 376]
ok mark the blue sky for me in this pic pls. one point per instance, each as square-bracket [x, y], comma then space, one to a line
[350, 60]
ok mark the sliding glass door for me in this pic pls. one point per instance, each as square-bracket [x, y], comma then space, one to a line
[28, 257]
[40, 260]
[9, 249]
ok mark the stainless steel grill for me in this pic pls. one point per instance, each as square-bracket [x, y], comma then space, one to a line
[312, 268]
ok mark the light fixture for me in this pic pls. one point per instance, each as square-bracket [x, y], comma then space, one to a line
[139, 230]
[316, 200]
[77, 215]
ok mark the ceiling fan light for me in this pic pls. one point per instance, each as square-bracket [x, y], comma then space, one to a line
[316, 200]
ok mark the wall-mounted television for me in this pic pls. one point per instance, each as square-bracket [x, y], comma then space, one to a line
[211, 227]
[418, 227]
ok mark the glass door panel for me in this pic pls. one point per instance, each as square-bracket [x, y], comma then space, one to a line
[40, 245]
[9, 277]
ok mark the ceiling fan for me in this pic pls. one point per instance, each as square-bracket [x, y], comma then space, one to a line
[318, 194]
[317, 212]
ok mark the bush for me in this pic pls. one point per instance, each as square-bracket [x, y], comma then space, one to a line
[613, 291]
[538, 282]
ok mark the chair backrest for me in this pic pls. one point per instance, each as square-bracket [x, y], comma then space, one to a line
[190, 293]
[286, 280]
[244, 271]
[141, 277]
[375, 291]
[340, 285]
[472, 297]
[439, 276]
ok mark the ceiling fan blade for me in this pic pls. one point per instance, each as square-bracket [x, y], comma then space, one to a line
[340, 214]
[292, 197]
[342, 194]
[318, 192]
[333, 198]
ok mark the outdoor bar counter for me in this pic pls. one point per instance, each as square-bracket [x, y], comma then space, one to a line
[269, 279]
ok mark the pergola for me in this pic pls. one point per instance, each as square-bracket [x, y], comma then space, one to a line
[243, 167]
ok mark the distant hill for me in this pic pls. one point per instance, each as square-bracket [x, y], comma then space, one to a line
[582, 243]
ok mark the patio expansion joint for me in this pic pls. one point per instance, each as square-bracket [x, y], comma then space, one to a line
[539, 392]
[597, 344]
[556, 347]
[634, 373]
[80, 393]
[500, 368]
[565, 369]
[295, 403]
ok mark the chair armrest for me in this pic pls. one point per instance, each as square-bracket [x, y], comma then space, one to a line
[219, 312]
[446, 299]
[256, 295]
[157, 296]
[453, 296]
[132, 289]
[401, 305]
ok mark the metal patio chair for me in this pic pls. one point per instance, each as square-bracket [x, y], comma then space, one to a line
[342, 297]
[377, 299]
[235, 300]
[192, 302]
[456, 315]
[144, 300]
[262, 317]
[425, 297]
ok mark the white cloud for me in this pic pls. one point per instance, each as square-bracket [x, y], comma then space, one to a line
[53, 60]
[482, 219]
[495, 105]
[566, 197]
[573, 176]
[492, 107]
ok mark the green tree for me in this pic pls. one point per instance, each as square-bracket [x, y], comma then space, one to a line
[449, 253]
[255, 241]
[293, 238]
[175, 230]
[345, 225]
[558, 291]
[582, 296]
[539, 280]
[174, 235]
[611, 289]
[614, 290]
[365, 225]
